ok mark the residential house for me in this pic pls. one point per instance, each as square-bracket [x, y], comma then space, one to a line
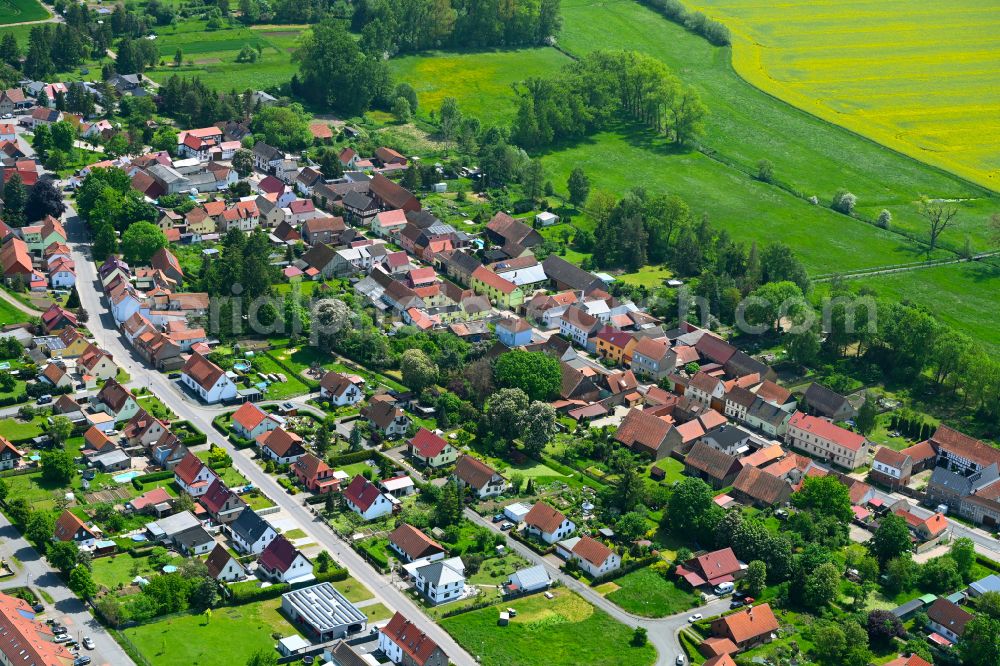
[755, 487]
[207, 380]
[251, 533]
[891, 468]
[501, 292]
[10, 456]
[116, 401]
[96, 363]
[711, 464]
[827, 441]
[711, 569]
[143, 430]
[193, 476]
[768, 418]
[282, 562]
[591, 555]
[406, 645]
[281, 446]
[479, 477]
[250, 421]
[164, 260]
[547, 523]
[653, 358]
[16, 260]
[924, 529]
[198, 143]
[315, 474]
[577, 325]
[707, 389]
[440, 581]
[222, 566]
[947, 619]
[431, 449]
[412, 544]
[70, 528]
[266, 158]
[340, 389]
[388, 223]
[365, 499]
[390, 195]
[565, 276]
[614, 345]
[385, 417]
[821, 401]
[503, 229]
[747, 628]
[222, 504]
[646, 434]
[513, 331]
[325, 230]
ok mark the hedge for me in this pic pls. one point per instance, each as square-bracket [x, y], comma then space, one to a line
[241, 443]
[358, 456]
[13, 400]
[244, 594]
[531, 544]
[154, 476]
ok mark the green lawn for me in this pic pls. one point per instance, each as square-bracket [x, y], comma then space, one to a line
[19, 11]
[352, 590]
[564, 631]
[649, 276]
[118, 569]
[231, 636]
[292, 386]
[155, 407]
[674, 469]
[11, 315]
[15, 429]
[212, 54]
[376, 613]
[644, 592]
[477, 79]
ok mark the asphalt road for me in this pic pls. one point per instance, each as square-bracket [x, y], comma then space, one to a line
[36, 573]
[102, 326]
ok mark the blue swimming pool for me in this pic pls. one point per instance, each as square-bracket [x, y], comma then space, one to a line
[125, 477]
[241, 366]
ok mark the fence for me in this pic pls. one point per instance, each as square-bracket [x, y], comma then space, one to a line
[268, 511]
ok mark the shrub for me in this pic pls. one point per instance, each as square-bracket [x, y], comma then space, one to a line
[844, 202]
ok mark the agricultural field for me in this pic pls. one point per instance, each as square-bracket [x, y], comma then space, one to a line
[20, 11]
[477, 79]
[553, 632]
[211, 54]
[921, 78]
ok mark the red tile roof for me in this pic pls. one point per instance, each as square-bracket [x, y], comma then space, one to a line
[249, 416]
[544, 517]
[410, 639]
[592, 550]
[750, 623]
[427, 444]
[278, 555]
[361, 492]
[413, 542]
[828, 431]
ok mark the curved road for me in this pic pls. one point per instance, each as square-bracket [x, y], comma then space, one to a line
[31, 312]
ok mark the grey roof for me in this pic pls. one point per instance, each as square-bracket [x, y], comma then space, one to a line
[560, 270]
[725, 437]
[989, 584]
[164, 173]
[344, 654]
[177, 523]
[962, 485]
[767, 412]
[358, 201]
[249, 526]
[357, 176]
[266, 152]
[193, 537]
[110, 458]
[823, 400]
[443, 572]
[907, 608]
[463, 261]
[324, 608]
[532, 576]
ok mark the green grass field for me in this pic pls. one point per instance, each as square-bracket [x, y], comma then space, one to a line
[11, 315]
[476, 79]
[922, 78]
[231, 636]
[213, 54]
[554, 632]
[643, 592]
[19, 11]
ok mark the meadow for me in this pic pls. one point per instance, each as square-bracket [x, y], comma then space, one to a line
[19, 11]
[478, 79]
[211, 54]
[554, 632]
[922, 78]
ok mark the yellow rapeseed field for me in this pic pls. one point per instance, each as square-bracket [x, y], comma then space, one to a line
[920, 77]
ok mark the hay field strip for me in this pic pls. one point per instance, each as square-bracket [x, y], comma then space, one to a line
[921, 78]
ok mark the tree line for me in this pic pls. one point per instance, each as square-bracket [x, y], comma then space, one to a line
[712, 30]
[594, 92]
[402, 26]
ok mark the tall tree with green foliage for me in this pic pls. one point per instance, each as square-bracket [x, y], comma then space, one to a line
[578, 185]
[537, 374]
[15, 196]
[891, 539]
[824, 496]
[867, 417]
[141, 241]
[82, 582]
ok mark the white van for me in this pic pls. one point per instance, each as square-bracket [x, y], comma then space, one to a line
[724, 588]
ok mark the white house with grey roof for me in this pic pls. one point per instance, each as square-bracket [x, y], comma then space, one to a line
[531, 579]
[251, 533]
[323, 612]
[440, 581]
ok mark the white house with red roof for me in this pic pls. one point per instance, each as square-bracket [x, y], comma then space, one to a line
[431, 449]
[207, 380]
[365, 499]
[281, 446]
[250, 421]
[548, 523]
[590, 554]
[825, 440]
[193, 476]
[405, 644]
[284, 563]
[340, 389]
[712, 569]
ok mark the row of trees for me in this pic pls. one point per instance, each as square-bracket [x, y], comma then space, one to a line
[392, 26]
[597, 90]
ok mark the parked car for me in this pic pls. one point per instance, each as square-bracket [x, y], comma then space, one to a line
[44, 399]
[506, 526]
[497, 518]
[88, 642]
[694, 618]
[736, 603]
[82, 660]
[61, 638]
[679, 660]
[174, 375]
[38, 608]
